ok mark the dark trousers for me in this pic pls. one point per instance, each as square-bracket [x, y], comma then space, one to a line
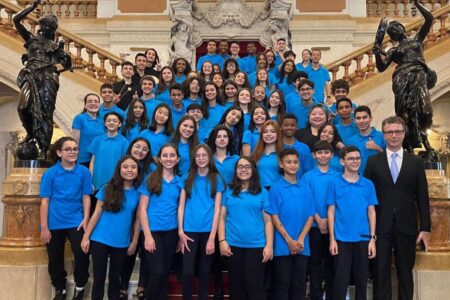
[290, 277]
[199, 244]
[159, 262]
[128, 267]
[100, 254]
[405, 255]
[55, 250]
[247, 274]
[320, 264]
[352, 257]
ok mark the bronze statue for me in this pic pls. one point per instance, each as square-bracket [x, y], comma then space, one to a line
[39, 81]
[411, 79]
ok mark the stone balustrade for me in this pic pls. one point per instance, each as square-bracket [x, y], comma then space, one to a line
[360, 65]
[86, 57]
[399, 8]
[65, 8]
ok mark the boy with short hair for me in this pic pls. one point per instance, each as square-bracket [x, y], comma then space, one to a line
[196, 110]
[345, 125]
[108, 105]
[177, 106]
[351, 215]
[125, 88]
[148, 95]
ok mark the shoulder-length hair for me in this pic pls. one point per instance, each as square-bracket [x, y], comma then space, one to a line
[254, 186]
[186, 70]
[213, 174]
[225, 73]
[213, 136]
[336, 138]
[168, 127]
[259, 150]
[237, 131]
[193, 140]
[154, 181]
[252, 124]
[130, 121]
[283, 74]
[281, 106]
[205, 102]
[162, 86]
[200, 81]
[114, 191]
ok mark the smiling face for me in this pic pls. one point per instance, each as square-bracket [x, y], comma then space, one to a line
[327, 134]
[222, 139]
[167, 75]
[202, 158]
[112, 123]
[212, 47]
[223, 47]
[269, 135]
[244, 170]
[127, 71]
[161, 116]
[233, 117]
[240, 78]
[259, 93]
[168, 157]
[289, 127]
[261, 61]
[274, 99]
[141, 63]
[259, 116]
[394, 135]
[306, 56]
[151, 56]
[290, 164]
[194, 87]
[363, 120]
[234, 49]
[306, 92]
[289, 67]
[207, 68]
[147, 86]
[92, 104]
[317, 117]
[210, 92]
[187, 129]
[180, 66]
[262, 75]
[218, 80]
[231, 67]
[323, 157]
[244, 97]
[140, 149]
[230, 91]
[138, 109]
[68, 152]
[129, 170]
[196, 114]
[344, 109]
[351, 161]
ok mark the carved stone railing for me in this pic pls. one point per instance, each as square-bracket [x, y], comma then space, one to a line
[360, 65]
[65, 8]
[399, 8]
[87, 57]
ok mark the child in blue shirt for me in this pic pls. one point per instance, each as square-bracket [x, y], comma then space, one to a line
[276, 105]
[148, 86]
[351, 213]
[158, 206]
[292, 214]
[242, 216]
[318, 180]
[106, 150]
[65, 204]
[87, 126]
[177, 106]
[166, 79]
[136, 120]
[160, 129]
[109, 231]
[328, 132]
[198, 218]
[107, 95]
[211, 106]
[186, 139]
[251, 136]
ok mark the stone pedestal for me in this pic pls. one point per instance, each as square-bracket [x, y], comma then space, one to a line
[23, 258]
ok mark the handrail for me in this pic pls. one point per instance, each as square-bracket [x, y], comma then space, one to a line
[70, 41]
[399, 8]
[365, 53]
[66, 8]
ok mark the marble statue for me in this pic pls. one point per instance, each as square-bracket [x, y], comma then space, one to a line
[180, 45]
[39, 82]
[411, 80]
[277, 28]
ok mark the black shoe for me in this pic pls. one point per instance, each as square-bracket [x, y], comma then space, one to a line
[60, 295]
[78, 294]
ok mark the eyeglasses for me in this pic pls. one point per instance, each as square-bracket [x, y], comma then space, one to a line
[70, 150]
[139, 147]
[201, 155]
[306, 89]
[244, 167]
[353, 159]
[392, 132]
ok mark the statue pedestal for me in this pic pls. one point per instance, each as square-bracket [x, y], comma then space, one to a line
[23, 257]
[432, 268]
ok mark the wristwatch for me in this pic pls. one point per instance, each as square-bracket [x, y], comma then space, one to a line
[373, 237]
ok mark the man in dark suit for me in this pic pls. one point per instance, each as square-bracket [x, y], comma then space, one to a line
[402, 192]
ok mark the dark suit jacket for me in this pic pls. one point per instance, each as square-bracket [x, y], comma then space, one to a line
[400, 200]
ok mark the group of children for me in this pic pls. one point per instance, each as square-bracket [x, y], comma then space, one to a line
[268, 179]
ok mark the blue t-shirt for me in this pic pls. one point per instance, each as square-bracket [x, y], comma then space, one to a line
[247, 118]
[253, 76]
[199, 209]
[188, 101]
[293, 205]
[164, 97]
[250, 60]
[213, 58]
[65, 190]
[268, 169]
[351, 200]
[185, 158]
[107, 151]
[319, 183]
[156, 140]
[319, 77]
[180, 79]
[306, 158]
[251, 138]
[150, 106]
[360, 141]
[177, 114]
[300, 67]
[301, 111]
[346, 131]
[133, 132]
[226, 168]
[244, 222]
[114, 228]
[215, 113]
[162, 208]
[103, 111]
[89, 129]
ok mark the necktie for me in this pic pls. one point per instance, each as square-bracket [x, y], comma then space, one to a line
[394, 167]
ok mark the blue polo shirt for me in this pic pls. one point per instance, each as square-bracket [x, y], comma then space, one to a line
[162, 208]
[89, 129]
[319, 183]
[199, 209]
[157, 140]
[215, 114]
[203, 134]
[180, 79]
[114, 228]
[164, 96]
[293, 206]
[177, 114]
[245, 218]
[107, 151]
[251, 138]
[347, 131]
[133, 132]
[103, 111]
[268, 169]
[250, 60]
[185, 158]
[150, 106]
[351, 201]
[319, 77]
[292, 99]
[188, 101]
[242, 65]
[306, 158]
[301, 111]
[213, 58]
[247, 118]
[65, 190]
[226, 168]
[252, 79]
[300, 67]
[360, 141]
